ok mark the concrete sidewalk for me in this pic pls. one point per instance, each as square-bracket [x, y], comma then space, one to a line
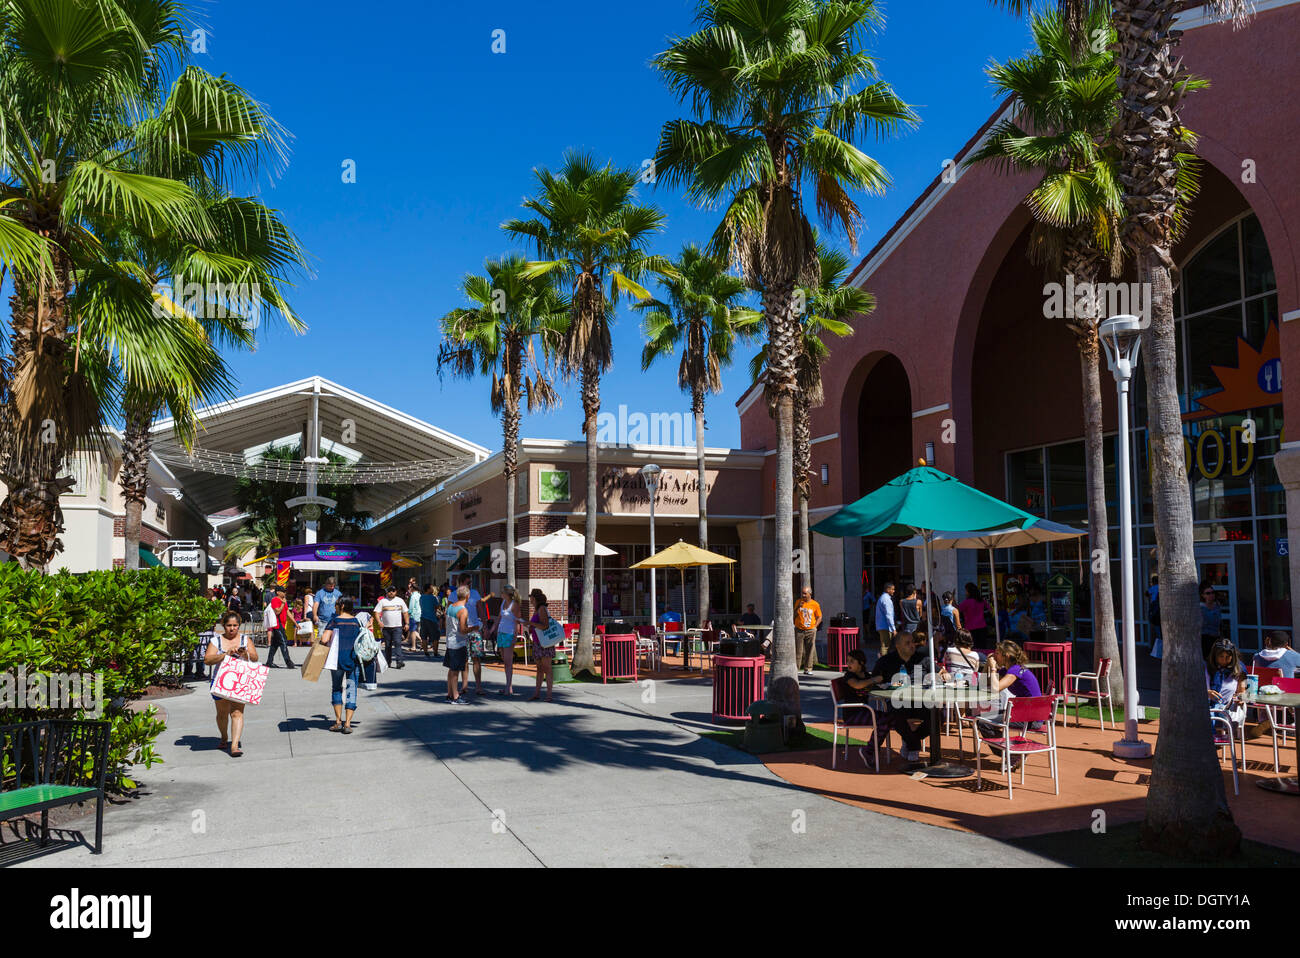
[606, 775]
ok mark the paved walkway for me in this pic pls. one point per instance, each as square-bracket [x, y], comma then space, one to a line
[600, 777]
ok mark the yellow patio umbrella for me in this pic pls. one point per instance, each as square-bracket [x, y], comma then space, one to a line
[681, 556]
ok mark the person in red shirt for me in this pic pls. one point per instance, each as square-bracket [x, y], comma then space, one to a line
[277, 612]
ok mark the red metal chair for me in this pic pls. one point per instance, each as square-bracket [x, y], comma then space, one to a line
[646, 645]
[1266, 677]
[1102, 674]
[838, 695]
[1016, 742]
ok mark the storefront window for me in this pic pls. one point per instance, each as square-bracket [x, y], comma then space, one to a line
[1067, 484]
[1275, 586]
[1213, 276]
[1026, 484]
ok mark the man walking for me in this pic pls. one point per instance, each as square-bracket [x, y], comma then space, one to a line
[413, 612]
[393, 619]
[807, 620]
[885, 627]
[276, 617]
[429, 611]
[323, 605]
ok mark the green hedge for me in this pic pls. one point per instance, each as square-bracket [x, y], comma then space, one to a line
[122, 624]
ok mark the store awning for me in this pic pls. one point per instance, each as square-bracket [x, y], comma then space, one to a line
[147, 558]
[477, 562]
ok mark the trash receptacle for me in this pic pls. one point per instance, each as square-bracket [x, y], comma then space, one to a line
[765, 730]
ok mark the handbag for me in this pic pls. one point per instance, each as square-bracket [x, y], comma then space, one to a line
[240, 680]
[551, 636]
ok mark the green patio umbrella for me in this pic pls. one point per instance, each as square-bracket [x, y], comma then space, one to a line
[921, 502]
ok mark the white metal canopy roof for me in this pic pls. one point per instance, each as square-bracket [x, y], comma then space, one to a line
[382, 435]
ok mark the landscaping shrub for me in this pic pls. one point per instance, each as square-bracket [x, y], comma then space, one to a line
[122, 624]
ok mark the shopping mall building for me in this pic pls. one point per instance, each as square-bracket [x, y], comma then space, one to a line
[958, 363]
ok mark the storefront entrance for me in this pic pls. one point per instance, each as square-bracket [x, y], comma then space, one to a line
[1215, 566]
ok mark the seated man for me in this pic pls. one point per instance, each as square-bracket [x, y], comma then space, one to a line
[750, 617]
[903, 657]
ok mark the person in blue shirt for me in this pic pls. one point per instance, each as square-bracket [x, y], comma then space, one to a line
[885, 626]
[326, 600]
[1211, 618]
[670, 616]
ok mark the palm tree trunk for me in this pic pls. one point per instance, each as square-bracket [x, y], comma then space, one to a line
[697, 406]
[135, 473]
[1104, 637]
[1187, 811]
[783, 352]
[584, 656]
[36, 440]
[802, 467]
[510, 463]
[1187, 806]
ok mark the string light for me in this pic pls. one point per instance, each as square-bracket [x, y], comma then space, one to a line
[300, 473]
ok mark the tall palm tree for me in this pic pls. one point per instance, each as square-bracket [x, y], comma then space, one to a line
[496, 336]
[263, 500]
[702, 316]
[1187, 811]
[84, 139]
[244, 270]
[590, 232]
[780, 91]
[830, 306]
[1065, 104]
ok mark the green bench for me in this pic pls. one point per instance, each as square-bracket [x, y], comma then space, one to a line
[50, 763]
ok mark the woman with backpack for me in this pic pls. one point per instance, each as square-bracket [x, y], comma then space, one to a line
[341, 636]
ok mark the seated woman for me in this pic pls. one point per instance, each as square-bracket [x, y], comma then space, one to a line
[1008, 675]
[1226, 681]
[961, 660]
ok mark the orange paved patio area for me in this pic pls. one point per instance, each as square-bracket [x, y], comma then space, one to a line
[1090, 779]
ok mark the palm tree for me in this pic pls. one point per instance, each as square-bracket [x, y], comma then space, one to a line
[244, 269]
[1187, 811]
[260, 534]
[496, 337]
[590, 232]
[780, 91]
[1065, 104]
[700, 315]
[829, 308]
[263, 500]
[76, 90]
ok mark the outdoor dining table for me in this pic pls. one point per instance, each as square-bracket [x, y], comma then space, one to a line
[935, 699]
[1291, 700]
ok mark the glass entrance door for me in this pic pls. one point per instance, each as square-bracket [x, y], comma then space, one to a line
[1215, 567]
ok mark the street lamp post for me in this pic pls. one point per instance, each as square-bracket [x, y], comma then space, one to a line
[650, 472]
[1121, 337]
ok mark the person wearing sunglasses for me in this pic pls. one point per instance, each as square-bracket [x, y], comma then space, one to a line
[1211, 619]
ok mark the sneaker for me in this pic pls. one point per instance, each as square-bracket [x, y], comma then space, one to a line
[868, 758]
[460, 701]
[912, 755]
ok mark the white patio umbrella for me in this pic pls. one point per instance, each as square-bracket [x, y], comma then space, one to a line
[565, 542]
[1041, 531]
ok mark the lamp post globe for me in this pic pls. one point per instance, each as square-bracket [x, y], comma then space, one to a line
[1121, 338]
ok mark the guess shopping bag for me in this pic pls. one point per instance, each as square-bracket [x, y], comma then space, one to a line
[240, 681]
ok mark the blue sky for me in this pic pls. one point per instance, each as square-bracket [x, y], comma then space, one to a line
[445, 135]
